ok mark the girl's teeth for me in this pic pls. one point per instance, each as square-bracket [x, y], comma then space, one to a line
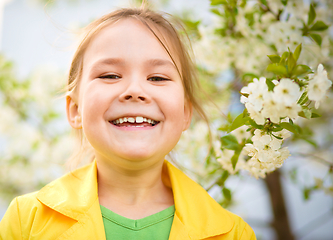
[139, 119]
[134, 120]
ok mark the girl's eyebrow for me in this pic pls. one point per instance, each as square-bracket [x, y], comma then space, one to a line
[108, 61]
[122, 62]
[160, 62]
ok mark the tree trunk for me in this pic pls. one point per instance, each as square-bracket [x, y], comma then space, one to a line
[281, 221]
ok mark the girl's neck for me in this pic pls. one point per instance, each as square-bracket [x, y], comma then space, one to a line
[133, 193]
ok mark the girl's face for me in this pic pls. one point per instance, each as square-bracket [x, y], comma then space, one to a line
[131, 97]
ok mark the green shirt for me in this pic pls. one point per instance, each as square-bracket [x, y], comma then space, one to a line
[156, 226]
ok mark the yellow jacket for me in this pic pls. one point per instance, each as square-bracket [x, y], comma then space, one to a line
[68, 208]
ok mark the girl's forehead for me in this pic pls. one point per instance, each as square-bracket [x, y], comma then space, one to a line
[129, 34]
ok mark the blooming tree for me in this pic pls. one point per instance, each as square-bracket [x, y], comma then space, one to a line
[33, 147]
[275, 58]
[271, 108]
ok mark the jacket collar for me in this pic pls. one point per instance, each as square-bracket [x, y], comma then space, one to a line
[197, 215]
[73, 194]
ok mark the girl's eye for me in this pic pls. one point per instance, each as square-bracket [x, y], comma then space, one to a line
[109, 76]
[158, 79]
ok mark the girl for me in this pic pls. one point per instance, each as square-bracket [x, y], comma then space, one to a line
[131, 91]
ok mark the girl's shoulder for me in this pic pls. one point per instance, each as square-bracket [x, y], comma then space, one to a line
[68, 206]
[200, 215]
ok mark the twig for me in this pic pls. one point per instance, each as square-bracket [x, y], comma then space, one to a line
[212, 185]
[318, 159]
[266, 8]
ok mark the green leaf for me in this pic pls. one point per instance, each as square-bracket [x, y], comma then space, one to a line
[245, 113]
[311, 15]
[306, 193]
[291, 121]
[224, 128]
[234, 159]
[226, 193]
[277, 128]
[223, 178]
[229, 117]
[255, 125]
[238, 122]
[280, 138]
[291, 63]
[301, 70]
[284, 2]
[243, 3]
[315, 115]
[230, 142]
[319, 26]
[277, 69]
[249, 77]
[244, 94]
[274, 58]
[297, 52]
[217, 2]
[191, 24]
[215, 11]
[290, 127]
[307, 112]
[313, 143]
[284, 57]
[316, 37]
[211, 155]
[303, 99]
[270, 84]
[263, 2]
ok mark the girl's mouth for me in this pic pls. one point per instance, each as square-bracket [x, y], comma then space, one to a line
[134, 122]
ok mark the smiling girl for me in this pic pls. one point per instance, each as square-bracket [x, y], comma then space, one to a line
[131, 91]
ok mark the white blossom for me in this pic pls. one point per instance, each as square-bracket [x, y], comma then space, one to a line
[250, 150]
[254, 114]
[290, 111]
[265, 152]
[256, 90]
[283, 155]
[284, 134]
[298, 9]
[271, 108]
[225, 161]
[241, 133]
[285, 34]
[260, 138]
[286, 92]
[255, 171]
[318, 85]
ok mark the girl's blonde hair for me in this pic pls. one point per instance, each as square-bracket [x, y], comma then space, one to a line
[172, 36]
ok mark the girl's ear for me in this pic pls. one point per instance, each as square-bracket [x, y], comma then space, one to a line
[73, 115]
[188, 113]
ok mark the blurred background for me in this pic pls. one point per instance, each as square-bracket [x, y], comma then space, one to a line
[230, 40]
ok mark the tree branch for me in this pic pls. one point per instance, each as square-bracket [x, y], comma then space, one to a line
[316, 158]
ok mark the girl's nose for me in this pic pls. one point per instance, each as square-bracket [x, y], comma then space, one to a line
[135, 92]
